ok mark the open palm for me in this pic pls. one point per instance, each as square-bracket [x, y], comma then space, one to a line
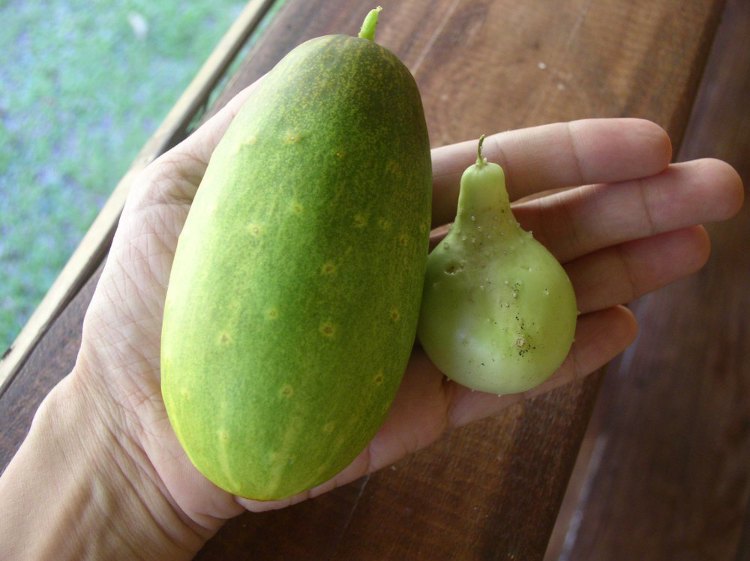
[600, 194]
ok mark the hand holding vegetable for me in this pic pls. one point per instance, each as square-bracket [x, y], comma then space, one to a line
[606, 202]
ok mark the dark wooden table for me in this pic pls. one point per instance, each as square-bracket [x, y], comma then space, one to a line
[494, 490]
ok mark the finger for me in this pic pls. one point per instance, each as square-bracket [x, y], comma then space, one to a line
[578, 221]
[600, 337]
[555, 156]
[622, 273]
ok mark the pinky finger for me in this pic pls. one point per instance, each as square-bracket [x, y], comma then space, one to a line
[600, 337]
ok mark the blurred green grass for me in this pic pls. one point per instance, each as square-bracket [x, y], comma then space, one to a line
[83, 84]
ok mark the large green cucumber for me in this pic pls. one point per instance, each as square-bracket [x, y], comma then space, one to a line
[295, 291]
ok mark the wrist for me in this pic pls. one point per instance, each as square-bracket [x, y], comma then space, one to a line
[80, 488]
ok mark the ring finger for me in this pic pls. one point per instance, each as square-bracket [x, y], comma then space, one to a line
[621, 273]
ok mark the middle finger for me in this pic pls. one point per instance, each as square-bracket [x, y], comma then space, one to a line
[575, 222]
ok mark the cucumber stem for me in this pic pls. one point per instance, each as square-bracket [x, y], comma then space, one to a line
[369, 25]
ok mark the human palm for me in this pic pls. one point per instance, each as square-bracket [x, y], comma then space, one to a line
[600, 194]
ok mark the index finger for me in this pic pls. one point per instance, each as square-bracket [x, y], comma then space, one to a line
[554, 156]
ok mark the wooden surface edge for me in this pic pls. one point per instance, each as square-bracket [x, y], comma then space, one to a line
[93, 247]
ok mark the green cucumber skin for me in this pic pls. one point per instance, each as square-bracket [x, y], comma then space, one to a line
[295, 291]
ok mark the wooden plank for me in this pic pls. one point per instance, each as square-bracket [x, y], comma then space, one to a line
[492, 490]
[94, 245]
[482, 493]
[487, 65]
[669, 476]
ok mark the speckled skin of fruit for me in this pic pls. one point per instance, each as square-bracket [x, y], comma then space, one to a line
[498, 310]
[295, 290]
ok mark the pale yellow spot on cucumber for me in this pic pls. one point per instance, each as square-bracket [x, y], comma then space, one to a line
[225, 338]
[329, 427]
[274, 457]
[393, 167]
[395, 314]
[272, 313]
[286, 391]
[297, 207]
[340, 154]
[280, 458]
[384, 223]
[378, 378]
[328, 268]
[255, 230]
[404, 239]
[327, 329]
[360, 220]
[292, 137]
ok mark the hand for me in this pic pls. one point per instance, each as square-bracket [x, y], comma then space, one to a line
[600, 194]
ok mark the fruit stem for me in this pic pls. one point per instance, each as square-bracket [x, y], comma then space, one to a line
[481, 160]
[369, 25]
[483, 199]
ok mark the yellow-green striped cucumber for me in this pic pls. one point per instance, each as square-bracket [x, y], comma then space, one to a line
[294, 296]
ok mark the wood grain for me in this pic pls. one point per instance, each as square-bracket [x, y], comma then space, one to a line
[492, 490]
[668, 474]
[484, 65]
